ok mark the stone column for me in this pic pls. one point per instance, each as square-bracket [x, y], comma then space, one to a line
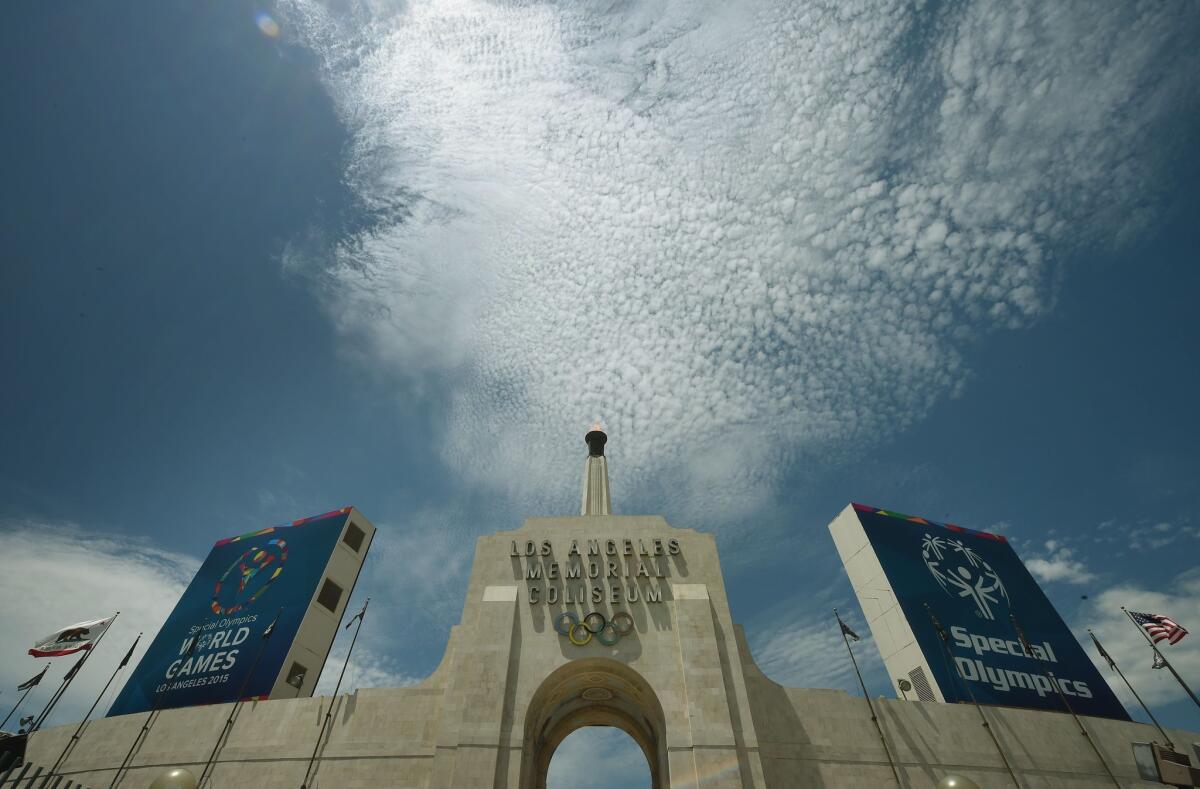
[707, 754]
[473, 709]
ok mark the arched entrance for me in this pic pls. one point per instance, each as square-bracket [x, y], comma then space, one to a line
[598, 757]
[592, 692]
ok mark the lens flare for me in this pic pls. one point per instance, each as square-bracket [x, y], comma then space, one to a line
[266, 24]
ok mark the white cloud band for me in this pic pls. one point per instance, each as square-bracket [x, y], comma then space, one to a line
[761, 229]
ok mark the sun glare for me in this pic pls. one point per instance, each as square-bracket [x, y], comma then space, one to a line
[266, 24]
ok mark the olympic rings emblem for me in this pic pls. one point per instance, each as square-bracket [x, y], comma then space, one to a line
[606, 631]
[248, 566]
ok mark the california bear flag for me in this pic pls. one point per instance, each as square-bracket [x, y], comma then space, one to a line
[70, 639]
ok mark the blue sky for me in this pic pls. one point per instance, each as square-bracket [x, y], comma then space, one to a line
[938, 258]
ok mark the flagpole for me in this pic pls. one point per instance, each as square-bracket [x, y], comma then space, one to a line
[1171, 668]
[360, 616]
[28, 690]
[136, 741]
[262, 645]
[74, 672]
[943, 638]
[1062, 696]
[188, 652]
[62, 756]
[16, 706]
[1113, 663]
[870, 706]
[54, 697]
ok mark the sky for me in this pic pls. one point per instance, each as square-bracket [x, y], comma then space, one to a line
[266, 260]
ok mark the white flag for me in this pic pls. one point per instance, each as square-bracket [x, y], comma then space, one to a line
[75, 638]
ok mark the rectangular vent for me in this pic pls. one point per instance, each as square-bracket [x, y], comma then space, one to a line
[354, 537]
[330, 596]
[296, 675]
[921, 684]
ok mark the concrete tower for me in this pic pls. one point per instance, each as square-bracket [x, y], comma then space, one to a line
[596, 499]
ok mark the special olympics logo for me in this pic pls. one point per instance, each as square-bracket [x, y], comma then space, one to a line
[972, 577]
[606, 631]
[252, 567]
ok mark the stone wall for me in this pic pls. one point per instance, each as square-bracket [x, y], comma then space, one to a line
[682, 683]
[825, 738]
[818, 738]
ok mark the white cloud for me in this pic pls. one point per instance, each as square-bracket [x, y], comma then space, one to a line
[367, 669]
[1179, 599]
[1147, 534]
[765, 230]
[417, 575]
[807, 651]
[1152, 536]
[53, 575]
[1059, 565]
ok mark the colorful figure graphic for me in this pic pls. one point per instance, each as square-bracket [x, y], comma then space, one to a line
[252, 567]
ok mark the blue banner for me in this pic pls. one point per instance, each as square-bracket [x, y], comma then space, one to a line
[205, 651]
[975, 585]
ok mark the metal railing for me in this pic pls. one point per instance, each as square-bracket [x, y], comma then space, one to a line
[24, 775]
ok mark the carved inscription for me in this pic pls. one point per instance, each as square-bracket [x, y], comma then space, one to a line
[613, 571]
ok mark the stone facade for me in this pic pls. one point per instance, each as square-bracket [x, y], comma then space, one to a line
[681, 682]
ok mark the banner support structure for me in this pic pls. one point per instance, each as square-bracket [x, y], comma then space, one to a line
[136, 742]
[237, 702]
[1146, 709]
[78, 731]
[1166, 662]
[943, 638]
[1062, 696]
[125, 762]
[360, 616]
[870, 706]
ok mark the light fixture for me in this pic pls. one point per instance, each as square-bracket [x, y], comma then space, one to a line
[175, 778]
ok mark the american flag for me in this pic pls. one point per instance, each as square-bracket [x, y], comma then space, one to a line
[1160, 627]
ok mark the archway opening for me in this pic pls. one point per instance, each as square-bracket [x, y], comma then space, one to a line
[598, 757]
[588, 693]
